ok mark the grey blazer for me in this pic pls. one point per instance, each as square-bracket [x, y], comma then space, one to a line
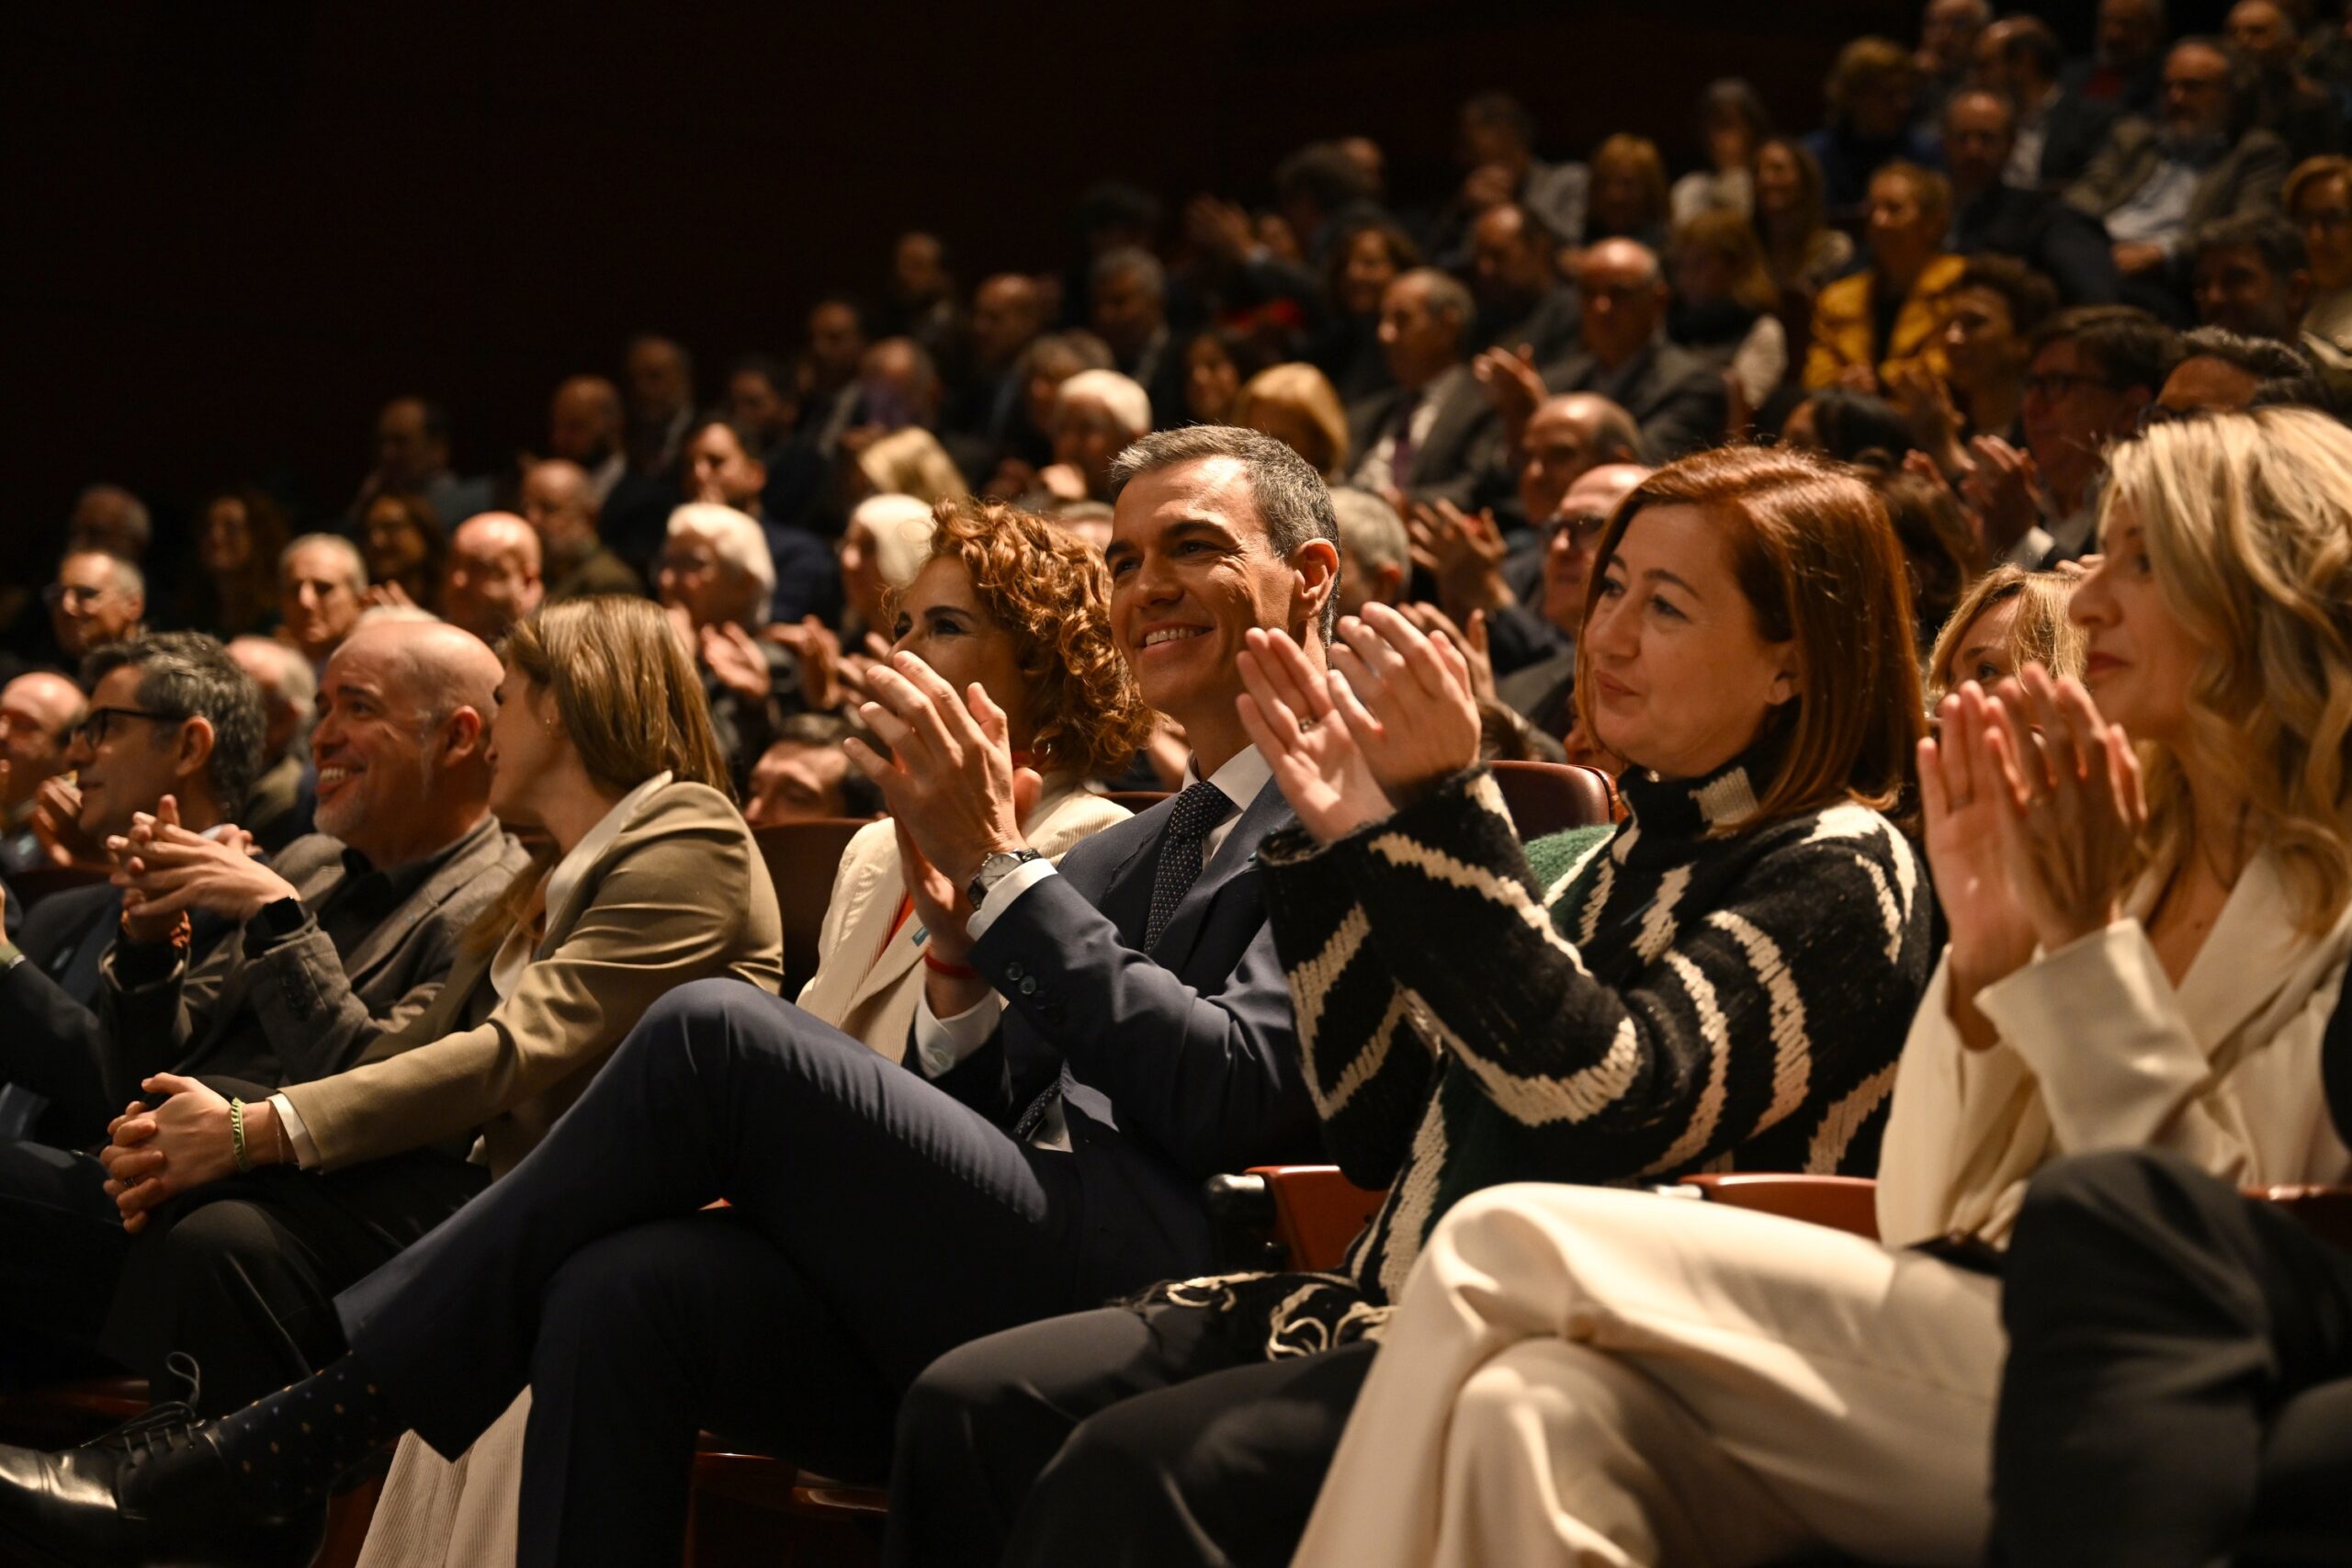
[2245, 180]
[291, 1010]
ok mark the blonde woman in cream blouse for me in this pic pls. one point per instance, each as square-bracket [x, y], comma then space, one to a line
[2145, 951]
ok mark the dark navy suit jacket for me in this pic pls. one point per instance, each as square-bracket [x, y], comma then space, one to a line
[1175, 1064]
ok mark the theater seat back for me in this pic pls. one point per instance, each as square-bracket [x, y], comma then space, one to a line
[1551, 797]
[802, 857]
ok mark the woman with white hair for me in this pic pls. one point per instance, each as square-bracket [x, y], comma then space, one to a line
[1097, 414]
[714, 578]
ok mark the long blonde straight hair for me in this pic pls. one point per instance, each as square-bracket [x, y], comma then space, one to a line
[2248, 523]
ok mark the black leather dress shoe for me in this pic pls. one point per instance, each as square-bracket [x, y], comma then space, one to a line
[156, 1492]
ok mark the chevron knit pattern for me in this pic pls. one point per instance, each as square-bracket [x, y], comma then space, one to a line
[1630, 1007]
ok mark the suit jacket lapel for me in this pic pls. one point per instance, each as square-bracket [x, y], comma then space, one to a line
[1238, 854]
[376, 947]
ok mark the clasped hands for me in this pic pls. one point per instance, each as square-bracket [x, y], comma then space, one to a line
[2034, 818]
[1391, 719]
[165, 871]
[155, 1154]
[954, 793]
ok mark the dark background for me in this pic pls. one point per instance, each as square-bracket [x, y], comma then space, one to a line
[234, 230]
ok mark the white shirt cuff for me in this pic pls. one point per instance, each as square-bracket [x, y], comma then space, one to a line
[941, 1044]
[297, 1137]
[1013, 883]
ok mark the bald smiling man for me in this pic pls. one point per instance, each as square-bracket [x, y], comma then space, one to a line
[341, 940]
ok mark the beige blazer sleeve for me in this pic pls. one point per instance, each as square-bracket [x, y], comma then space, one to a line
[682, 895]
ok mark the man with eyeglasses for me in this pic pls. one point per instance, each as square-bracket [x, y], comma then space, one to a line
[1544, 691]
[97, 599]
[2092, 371]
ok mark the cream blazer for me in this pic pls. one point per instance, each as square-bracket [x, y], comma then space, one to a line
[2098, 1050]
[867, 980]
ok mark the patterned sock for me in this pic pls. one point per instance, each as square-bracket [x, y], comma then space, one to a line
[286, 1450]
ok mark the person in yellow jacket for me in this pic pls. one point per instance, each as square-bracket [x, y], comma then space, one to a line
[1868, 327]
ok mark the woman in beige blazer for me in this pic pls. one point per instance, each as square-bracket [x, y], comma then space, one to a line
[2145, 951]
[1018, 605]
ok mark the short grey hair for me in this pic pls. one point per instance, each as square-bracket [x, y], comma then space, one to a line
[354, 565]
[1445, 294]
[128, 578]
[732, 536]
[1370, 529]
[1293, 501]
[1125, 261]
[185, 675]
[291, 684]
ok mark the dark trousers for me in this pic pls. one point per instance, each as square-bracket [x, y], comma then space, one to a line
[1150, 1438]
[875, 1223]
[2180, 1383]
[61, 1245]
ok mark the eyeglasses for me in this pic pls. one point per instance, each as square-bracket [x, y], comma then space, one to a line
[92, 731]
[1582, 529]
[2058, 383]
[81, 595]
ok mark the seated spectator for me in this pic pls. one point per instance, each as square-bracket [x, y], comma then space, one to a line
[2251, 277]
[1169, 1029]
[1543, 690]
[584, 424]
[716, 471]
[1009, 603]
[897, 387]
[1426, 437]
[1727, 306]
[1938, 546]
[1990, 318]
[2127, 981]
[2057, 132]
[402, 544]
[1620, 1034]
[109, 518]
[1371, 252]
[647, 880]
[2319, 202]
[921, 297]
[1044, 365]
[763, 402]
[2008, 618]
[97, 599]
[413, 460]
[715, 581]
[658, 375]
[1946, 57]
[1872, 328]
[2094, 370]
[1514, 274]
[2221, 372]
[39, 713]
[912, 462]
[1376, 557]
[1733, 124]
[322, 589]
[1129, 313]
[1803, 251]
[1213, 374]
[1628, 199]
[1848, 426]
[1622, 353]
[2027, 223]
[280, 802]
[558, 499]
[2154, 183]
[233, 587]
[492, 577]
[805, 776]
[1296, 405]
[836, 355]
[2124, 74]
[1097, 414]
[169, 716]
[979, 417]
[1868, 100]
[1495, 147]
[2303, 114]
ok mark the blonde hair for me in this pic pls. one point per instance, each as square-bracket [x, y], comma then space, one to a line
[1308, 393]
[897, 531]
[2040, 634]
[912, 462]
[733, 537]
[2247, 519]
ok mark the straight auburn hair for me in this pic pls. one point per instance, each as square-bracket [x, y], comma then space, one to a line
[628, 696]
[1814, 553]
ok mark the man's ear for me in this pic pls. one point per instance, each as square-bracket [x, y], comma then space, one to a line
[192, 752]
[462, 734]
[1317, 562]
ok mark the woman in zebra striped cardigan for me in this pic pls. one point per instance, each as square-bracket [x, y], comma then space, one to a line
[1722, 982]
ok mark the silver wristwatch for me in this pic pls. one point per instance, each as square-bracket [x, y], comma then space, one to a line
[994, 869]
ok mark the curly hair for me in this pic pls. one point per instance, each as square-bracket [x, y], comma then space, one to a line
[2249, 530]
[1042, 583]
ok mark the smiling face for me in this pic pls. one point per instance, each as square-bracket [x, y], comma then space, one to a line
[373, 744]
[1682, 679]
[2140, 658]
[942, 622]
[92, 603]
[1981, 340]
[136, 763]
[224, 540]
[316, 598]
[1192, 570]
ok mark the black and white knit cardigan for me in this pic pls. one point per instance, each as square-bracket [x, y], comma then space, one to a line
[1677, 996]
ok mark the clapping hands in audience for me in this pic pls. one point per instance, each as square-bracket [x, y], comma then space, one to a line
[1471, 639]
[166, 871]
[949, 781]
[1464, 554]
[57, 823]
[1392, 716]
[1514, 384]
[731, 656]
[2003, 487]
